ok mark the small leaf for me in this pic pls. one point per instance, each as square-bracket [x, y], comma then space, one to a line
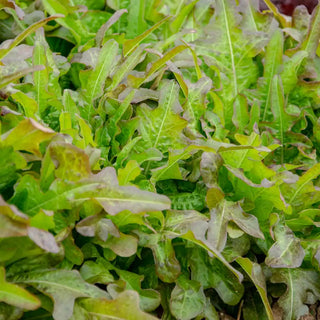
[304, 184]
[96, 78]
[187, 299]
[176, 24]
[172, 169]
[96, 272]
[43, 239]
[220, 217]
[104, 28]
[126, 67]
[149, 298]
[130, 45]
[211, 273]
[137, 82]
[129, 173]
[167, 266]
[287, 251]
[13, 223]
[98, 226]
[124, 245]
[29, 105]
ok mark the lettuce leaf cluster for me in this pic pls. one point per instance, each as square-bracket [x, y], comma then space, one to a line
[159, 160]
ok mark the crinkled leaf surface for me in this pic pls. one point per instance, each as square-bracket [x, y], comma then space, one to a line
[161, 128]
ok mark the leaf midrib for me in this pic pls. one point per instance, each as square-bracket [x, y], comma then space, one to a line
[168, 105]
[230, 48]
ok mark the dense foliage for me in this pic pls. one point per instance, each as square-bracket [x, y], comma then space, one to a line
[159, 159]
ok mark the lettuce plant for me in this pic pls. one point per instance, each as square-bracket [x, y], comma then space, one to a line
[159, 160]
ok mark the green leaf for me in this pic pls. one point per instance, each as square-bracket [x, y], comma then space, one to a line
[161, 128]
[167, 266]
[137, 82]
[256, 275]
[303, 186]
[282, 120]
[124, 245]
[132, 44]
[126, 67]
[29, 105]
[287, 251]
[8, 312]
[228, 211]
[282, 18]
[72, 252]
[176, 24]
[41, 78]
[96, 272]
[26, 33]
[104, 28]
[96, 225]
[273, 61]
[213, 274]
[149, 298]
[63, 286]
[16, 224]
[302, 288]
[129, 173]
[124, 307]
[229, 50]
[102, 187]
[72, 163]
[310, 44]
[68, 18]
[116, 117]
[136, 18]
[240, 115]
[187, 299]
[172, 169]
[212, 251]
[7, 79]
[10, 162]
[27, 136]
[15, 295]
[290, 72]
[95, 78]
[195, 105]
